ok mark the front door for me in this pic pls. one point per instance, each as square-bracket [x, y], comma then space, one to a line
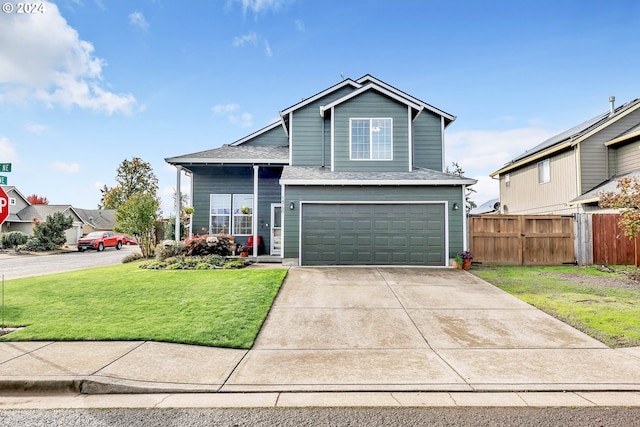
[276, 229]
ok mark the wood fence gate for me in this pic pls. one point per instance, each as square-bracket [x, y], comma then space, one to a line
[522, 239]
[610, 245]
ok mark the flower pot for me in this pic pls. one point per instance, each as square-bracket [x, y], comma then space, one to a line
[457, 265]
[466, 263]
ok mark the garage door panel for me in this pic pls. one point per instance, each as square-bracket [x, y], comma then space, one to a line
[373, 234]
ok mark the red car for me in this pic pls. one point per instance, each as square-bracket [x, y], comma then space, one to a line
[99, 240]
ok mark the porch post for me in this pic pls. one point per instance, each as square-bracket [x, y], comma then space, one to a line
[178, 197]
[254, 218]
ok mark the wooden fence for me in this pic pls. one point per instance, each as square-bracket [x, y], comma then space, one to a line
[610, 245]
[522, 239]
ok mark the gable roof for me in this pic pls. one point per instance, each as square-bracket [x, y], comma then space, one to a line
[41, 212]
[307, 101]
[12, 189]
[570, 137]
[610, 185]
[101, 219]
[241, 154]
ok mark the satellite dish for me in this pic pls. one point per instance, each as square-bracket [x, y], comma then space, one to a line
[496, 206]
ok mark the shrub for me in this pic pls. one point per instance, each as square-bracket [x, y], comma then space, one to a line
[34, 244]
[132, 257]
[153, 265]
[164, 251]
[13, 239]
[234, 264]
[203, 266]
[208, 245]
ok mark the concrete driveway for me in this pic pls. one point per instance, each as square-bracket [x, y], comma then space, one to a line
[345, 329]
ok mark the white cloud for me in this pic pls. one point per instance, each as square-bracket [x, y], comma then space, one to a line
[35, 128]
[240, 41]
[299, 23]
[225, 108]
[7, 150]
[258, 6]
[136, 19]
[267, 49]
[65, 167]
[234, 115]
[481, 152]
[43, 59]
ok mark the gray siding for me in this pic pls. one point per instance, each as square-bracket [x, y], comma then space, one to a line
[593, 167]
[275, 136]
[427, 141]
[307, 131]
[626, 158]
[371, 105]
[235, 180]
[370, 194]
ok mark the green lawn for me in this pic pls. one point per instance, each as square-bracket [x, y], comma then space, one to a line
[584, 297]
[223, 308]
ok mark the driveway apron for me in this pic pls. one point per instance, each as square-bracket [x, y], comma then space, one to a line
[425, 329]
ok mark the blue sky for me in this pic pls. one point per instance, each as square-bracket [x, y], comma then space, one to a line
[87, 83]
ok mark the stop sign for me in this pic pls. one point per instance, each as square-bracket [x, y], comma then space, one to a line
[4, 205]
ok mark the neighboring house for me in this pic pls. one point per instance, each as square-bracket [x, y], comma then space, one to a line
[566, 173]
[351, 175]
[490, 206]
[23, 214]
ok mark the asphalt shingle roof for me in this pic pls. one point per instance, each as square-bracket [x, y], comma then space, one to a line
[237, 154]
[315, 173]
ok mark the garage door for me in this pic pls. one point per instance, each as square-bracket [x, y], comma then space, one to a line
[373, 234]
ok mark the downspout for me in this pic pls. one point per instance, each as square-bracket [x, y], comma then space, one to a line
[176, 236]
[254, 219]
[322, 138]
[465, 237]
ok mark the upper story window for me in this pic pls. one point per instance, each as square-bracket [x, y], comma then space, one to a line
[507, 181]
[544, 172]
[371, 139]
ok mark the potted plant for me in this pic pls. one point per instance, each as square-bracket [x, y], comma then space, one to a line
[457, 261]
[466, 257]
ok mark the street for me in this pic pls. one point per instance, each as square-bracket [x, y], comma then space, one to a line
[16, 266]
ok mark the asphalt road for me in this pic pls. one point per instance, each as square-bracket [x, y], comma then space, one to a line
[299, 417]
[16, 266]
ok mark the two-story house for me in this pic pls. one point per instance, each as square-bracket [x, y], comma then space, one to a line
[566, 173]
[352, 175]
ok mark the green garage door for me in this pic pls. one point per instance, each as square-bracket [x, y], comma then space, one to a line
[373, 234]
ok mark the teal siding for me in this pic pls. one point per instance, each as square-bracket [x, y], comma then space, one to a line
[235, 180]
[427, 141]
[275, 136]
[307, 131]
[452, 194]
[371, 105]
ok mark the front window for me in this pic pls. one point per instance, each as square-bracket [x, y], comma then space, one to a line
[371, 139]
[544, 173]
[242, 214]
[220, 213]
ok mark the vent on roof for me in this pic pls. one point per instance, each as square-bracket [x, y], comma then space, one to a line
[612, 105]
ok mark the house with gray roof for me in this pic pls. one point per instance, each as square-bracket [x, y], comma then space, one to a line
[353, 175]
[23, 215]
[567, 173]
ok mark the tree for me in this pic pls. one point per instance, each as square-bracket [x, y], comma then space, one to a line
[457, 171]
[34, 199]
[50, 234]
[138, 216]
[627, 200]
[133, 176]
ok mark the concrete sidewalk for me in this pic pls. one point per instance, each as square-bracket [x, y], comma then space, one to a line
[349, 335]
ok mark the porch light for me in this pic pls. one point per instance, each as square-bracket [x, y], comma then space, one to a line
[292, 206]
[455, 207]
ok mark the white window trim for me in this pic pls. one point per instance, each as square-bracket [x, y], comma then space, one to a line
[235, 215]
[211, 215]
[232, 215]
[544, 177]
[507, 181]
[370, 139]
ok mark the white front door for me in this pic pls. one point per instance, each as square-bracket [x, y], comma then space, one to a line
[276, 229]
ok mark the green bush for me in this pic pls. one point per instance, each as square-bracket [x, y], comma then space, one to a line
[13, 239]
[208, 245]
[234, 264]
[162, 251]
[132, 257]
[203, 266]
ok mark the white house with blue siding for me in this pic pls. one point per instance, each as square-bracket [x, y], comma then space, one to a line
[353, 175]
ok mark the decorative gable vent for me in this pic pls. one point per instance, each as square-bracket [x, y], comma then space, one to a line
[12, 201]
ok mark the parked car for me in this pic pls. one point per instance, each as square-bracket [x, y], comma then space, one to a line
[126, 240]
[100, 240]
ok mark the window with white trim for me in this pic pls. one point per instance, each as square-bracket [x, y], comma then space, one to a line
[220, 209]
[242, 214]
[507, 181]
[371, 139]
[544, 172]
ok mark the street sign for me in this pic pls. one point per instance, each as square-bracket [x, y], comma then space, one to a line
[4, 205]
[3, 180]
[5, 167]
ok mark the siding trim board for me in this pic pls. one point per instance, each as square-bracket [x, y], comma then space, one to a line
[366, 88]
